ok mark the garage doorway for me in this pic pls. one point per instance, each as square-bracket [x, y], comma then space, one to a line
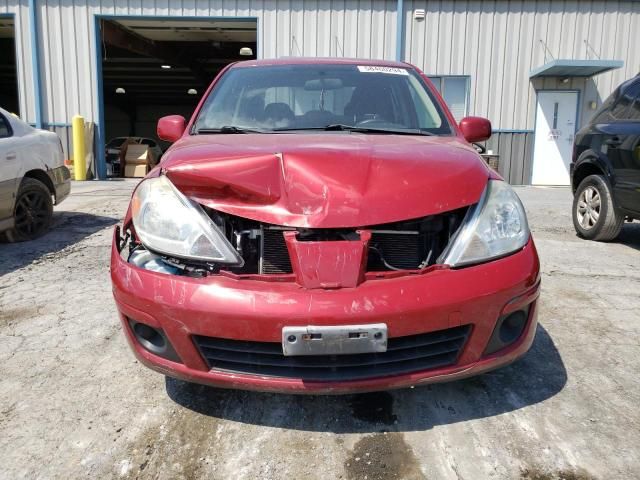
[556, 117]
[150, 67]
[8, 67]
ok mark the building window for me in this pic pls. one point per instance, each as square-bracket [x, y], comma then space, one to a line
[455, 91]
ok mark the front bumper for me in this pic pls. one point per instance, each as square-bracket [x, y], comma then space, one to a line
[61, 179]
[254, 310]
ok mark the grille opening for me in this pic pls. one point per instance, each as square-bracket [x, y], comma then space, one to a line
[275, 256]
[406, 245]
[404, 355]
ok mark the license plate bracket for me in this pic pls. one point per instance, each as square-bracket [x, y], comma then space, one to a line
[334, 340]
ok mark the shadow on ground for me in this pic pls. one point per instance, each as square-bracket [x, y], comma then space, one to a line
[536, 377]
[67, 229]
[630, 235]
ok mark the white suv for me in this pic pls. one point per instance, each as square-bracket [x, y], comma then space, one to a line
[33, 178]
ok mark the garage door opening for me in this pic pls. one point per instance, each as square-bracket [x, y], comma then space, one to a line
[8, 71]
[157, 67]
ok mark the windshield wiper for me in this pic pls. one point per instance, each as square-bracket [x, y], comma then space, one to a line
[355, 128]
[228, 129]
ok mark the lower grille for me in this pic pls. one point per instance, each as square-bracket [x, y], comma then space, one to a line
[404, 355]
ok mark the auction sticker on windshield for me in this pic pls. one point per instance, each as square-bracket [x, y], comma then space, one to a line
[381, 69]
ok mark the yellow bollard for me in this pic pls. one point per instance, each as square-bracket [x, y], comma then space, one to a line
[79, 151]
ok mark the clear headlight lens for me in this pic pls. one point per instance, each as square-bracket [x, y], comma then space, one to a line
[167, 222]
[494, 227]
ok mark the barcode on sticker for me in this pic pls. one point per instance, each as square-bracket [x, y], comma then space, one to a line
[382, 69]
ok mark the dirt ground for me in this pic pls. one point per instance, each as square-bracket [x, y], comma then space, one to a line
[74, 403]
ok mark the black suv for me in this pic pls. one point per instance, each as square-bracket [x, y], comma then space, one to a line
[605, 169]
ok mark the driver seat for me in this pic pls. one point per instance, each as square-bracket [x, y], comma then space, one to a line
[279, 113]
[369, 102]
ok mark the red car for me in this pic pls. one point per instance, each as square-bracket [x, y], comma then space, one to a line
[324, 226]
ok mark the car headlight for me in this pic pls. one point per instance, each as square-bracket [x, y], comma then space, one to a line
[169, 223]
[494, 227]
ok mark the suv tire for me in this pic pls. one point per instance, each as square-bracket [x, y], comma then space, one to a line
[32, 212]
[595, 216]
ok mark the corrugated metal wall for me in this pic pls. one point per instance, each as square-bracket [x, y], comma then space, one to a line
[352, 28]
[496, 43]
[516, 152]
[20, 10]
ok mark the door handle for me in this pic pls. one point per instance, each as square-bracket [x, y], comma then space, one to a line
[11, 156]
[613, 141]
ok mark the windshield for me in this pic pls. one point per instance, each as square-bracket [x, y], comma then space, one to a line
[303, 97]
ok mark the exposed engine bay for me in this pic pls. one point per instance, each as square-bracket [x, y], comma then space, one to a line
[399, 246]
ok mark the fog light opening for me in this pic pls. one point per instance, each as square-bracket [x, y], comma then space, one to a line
[149, 336]
[153, 340]
[508, 330]
[512, 327]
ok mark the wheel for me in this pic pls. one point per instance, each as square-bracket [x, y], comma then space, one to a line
[595, 217]
[32, 213]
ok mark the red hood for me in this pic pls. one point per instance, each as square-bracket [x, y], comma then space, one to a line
[327, 180]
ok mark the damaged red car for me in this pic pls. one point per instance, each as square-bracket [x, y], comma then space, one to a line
[324, 226]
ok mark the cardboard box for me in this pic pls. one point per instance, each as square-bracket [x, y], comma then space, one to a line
[136, 160]
[135, 170]
[137, 154]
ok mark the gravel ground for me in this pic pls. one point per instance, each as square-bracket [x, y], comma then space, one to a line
[74, 403]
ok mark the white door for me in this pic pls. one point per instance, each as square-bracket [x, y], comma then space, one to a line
[555, 130]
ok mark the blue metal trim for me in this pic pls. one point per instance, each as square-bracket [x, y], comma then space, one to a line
[598, 66]
[259, 50]
[116, 16]
[399, 30]
[101, 163]
[35, 62]
[447, 75]
[506, 130]
[53, 124]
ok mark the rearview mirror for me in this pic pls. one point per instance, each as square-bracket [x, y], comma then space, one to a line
[475, 129]
[320, 84]
[171, 128]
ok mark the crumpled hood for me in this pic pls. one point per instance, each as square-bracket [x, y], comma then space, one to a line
[327, 180]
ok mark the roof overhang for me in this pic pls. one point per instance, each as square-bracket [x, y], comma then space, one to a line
[575, 68]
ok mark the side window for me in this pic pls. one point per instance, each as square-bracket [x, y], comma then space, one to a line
[623, 107]
[603, 114]
[5, 127]
[634, 112]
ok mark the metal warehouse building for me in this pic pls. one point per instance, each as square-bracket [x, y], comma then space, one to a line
[536, 69]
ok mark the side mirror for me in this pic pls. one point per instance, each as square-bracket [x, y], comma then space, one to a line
[475, 129]
[171, 128]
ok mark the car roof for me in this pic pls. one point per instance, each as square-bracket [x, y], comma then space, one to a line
[320, 61]
[19, 126]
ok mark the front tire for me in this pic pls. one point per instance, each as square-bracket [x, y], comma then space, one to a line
[32, 212]
[595, 216]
